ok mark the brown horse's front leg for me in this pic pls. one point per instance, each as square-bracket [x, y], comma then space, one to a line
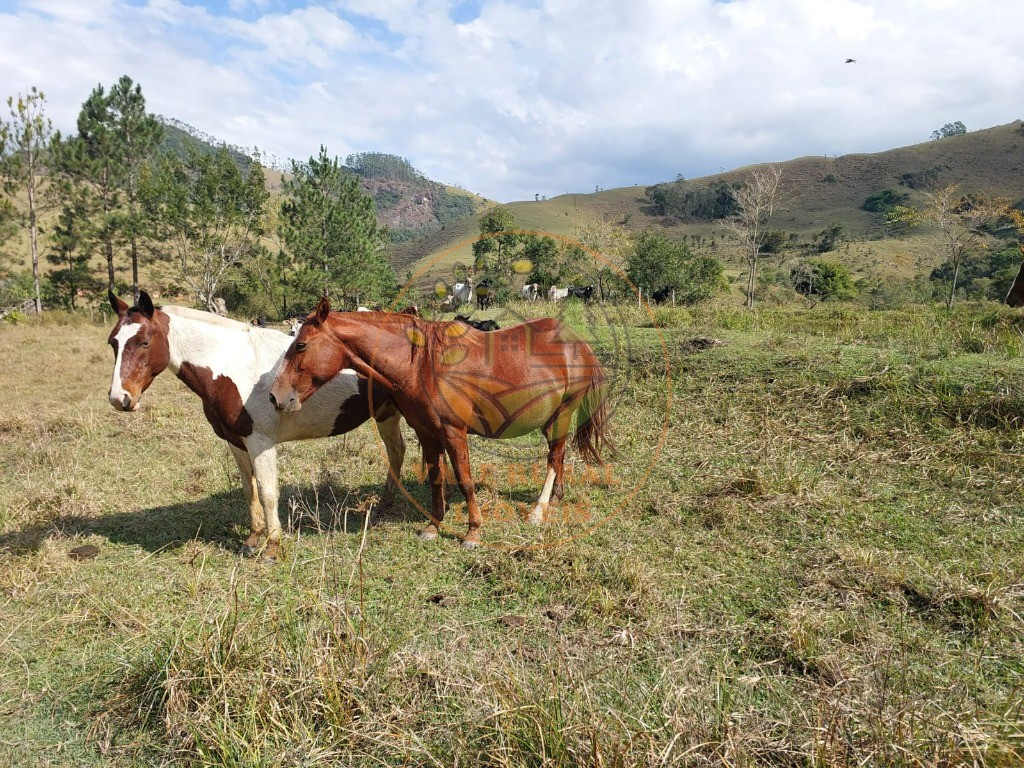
[433, 460]
[458, 451]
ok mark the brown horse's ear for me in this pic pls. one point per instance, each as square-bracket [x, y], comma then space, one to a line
[119, 306]
[146, 304]
[323, 309]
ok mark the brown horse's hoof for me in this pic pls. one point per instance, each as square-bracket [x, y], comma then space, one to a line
[427, 534]
[470, 543]
[269, 560]
[248, 552]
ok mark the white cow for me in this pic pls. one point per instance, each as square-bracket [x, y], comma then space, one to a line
[557, 294]
[463, 292]
[531, 291]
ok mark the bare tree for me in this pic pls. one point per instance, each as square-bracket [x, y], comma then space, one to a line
[961, 226]
[24, 142]
[756, 201]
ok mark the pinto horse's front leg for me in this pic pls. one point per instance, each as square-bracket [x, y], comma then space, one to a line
[258, 524]
[264, 462]
[433, 461]
[390, 430]
[458, 451]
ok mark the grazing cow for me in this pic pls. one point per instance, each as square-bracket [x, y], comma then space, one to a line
[230, 365]
[259, 322]
[462, 293]
[1015, 296]
[660, 297]
[557, 294]
[531, 291]
[586, 294]
[484, 293]
[480, 325]
[448, 305]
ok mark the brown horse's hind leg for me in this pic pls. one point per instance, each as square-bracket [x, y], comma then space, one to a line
[458, 452]
[556, 433]
[433, 460]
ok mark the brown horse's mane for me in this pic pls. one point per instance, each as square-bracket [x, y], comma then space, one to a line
[435, 332]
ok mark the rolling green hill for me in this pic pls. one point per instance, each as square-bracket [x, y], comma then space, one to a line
[822, 191]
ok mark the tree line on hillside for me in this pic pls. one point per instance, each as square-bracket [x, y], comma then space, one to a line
[201, 222]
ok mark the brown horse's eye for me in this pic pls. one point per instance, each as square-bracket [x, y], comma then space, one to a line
[300, 346]
[145, 344]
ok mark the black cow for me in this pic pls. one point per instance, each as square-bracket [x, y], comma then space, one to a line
[484, 293]
[660, 297]
[480, 325]
[586, 294]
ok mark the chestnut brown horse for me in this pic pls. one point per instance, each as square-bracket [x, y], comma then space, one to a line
[230, 365]
[448, 379]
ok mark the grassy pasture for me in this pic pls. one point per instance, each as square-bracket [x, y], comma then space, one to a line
[825, 566]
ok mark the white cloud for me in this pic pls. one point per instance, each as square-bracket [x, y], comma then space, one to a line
[538, 97]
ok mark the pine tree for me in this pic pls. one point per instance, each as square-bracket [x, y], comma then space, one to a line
[331, 236]
[208, 215]
[137, 135]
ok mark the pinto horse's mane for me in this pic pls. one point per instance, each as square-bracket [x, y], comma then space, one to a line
[208, 317]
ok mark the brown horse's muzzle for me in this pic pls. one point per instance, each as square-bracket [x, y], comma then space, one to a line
[285, 402]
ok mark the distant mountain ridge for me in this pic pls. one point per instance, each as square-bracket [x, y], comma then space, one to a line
[409, 204]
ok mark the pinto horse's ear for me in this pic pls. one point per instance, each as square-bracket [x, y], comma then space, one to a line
[323, 309]
[146, 304]
[119, 306]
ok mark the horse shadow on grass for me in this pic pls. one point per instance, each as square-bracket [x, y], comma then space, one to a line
[222, 519]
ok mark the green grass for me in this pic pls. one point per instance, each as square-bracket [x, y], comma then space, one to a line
[825, 566]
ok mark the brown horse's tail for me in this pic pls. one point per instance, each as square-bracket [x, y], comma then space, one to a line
[591, 420]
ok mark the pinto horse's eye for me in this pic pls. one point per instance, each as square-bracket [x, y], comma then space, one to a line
[300, 346]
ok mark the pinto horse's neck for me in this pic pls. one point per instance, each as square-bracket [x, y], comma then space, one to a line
[223, 346]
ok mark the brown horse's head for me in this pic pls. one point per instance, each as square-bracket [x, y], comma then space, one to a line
[141, 350]
[1015, 297]
[313, 359]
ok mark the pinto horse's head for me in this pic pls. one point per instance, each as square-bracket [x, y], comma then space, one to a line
[141, 350]
[313, 359]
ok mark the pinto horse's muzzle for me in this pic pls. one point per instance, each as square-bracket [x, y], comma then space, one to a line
[123, 401]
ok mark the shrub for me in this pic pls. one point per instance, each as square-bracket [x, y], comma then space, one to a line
[827, 280]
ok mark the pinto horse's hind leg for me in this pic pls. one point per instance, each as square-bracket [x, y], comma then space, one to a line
[390, 429]
[258, 525]
[433, 461]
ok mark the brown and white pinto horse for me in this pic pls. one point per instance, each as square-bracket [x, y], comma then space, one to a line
[449, 379]
[231, 365]
[1015, 296]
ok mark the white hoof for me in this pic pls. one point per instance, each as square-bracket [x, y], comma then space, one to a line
[536, 517]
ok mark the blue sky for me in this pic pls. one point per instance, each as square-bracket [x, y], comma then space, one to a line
[512, 99]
